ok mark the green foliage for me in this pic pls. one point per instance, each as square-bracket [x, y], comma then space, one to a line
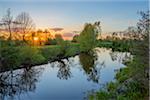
[116, 45]
[51, 42]
[64, 46]
[50, 52]
[104, 43]
[13, 57]
[111, 87]
[14, 43]
[102, 95]
[133, 81]
[123, 74]
[72, 50]
[87, 38]
[31, 56]
[75, 38]
[59, 38]
[9, 57]
[121, 45]
[55, 51]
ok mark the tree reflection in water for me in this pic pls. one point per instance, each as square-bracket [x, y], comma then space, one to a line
[14, 83]
[64, 70]
[121, 57]
[87, 61]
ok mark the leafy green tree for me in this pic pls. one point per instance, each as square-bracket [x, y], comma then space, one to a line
[133, 81]
[88, 36]
[75, 38]
[140, 69]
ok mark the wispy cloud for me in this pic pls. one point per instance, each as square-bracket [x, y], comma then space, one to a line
[56, 29]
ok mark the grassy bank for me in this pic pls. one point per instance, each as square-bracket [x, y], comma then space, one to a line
[55, 52]
[116, 45]
[25, 56]
[128, 86]
[131, 82]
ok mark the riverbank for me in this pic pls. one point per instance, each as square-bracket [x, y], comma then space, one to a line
[132, 81]
[13, 57]
[116, 45]
[27, 56]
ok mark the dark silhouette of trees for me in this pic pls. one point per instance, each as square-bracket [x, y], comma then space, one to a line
[8, 24]
[64, 71]
[26, 24]
[14, 83]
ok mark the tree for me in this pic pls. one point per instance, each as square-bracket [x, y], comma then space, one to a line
[46, 33]
[88, 36]
[59, 38]
[8, 23]
[141, 51]
[39, 31]
[132, 32]
[64, 45]
[26, 24]
[75, 38]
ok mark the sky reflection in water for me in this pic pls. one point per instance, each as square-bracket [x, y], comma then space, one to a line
[67, 79]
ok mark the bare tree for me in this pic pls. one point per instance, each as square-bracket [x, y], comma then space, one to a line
[7, 23]
[27, 25]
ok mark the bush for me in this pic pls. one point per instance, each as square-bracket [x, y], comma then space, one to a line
[101, 95]
[123, 74]
[72, 50]
[10, 57]
[51, 42]
[31, 56]
[50, 52]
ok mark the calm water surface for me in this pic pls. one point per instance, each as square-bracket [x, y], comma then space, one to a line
[67, 79]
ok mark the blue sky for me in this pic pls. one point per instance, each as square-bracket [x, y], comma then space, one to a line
[115, 15]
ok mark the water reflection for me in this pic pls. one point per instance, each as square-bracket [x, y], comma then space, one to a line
[64, 70]
[85, 72]
[121, 57]
[87, 61]
[12, 84]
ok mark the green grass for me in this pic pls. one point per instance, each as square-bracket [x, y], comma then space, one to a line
[14, 57]
[116, 45]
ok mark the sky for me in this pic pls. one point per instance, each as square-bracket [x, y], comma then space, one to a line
[115, 15]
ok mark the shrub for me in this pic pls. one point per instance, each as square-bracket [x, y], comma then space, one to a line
[31, 56]
[10, 57]
[50, 52]
[123, 74]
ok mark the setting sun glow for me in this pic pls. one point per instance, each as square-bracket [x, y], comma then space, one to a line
[36, 38]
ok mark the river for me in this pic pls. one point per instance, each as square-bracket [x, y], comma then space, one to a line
[67, 79]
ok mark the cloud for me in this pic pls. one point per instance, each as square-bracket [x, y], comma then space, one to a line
[77, 32]
[68, 34]
[56, 29]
